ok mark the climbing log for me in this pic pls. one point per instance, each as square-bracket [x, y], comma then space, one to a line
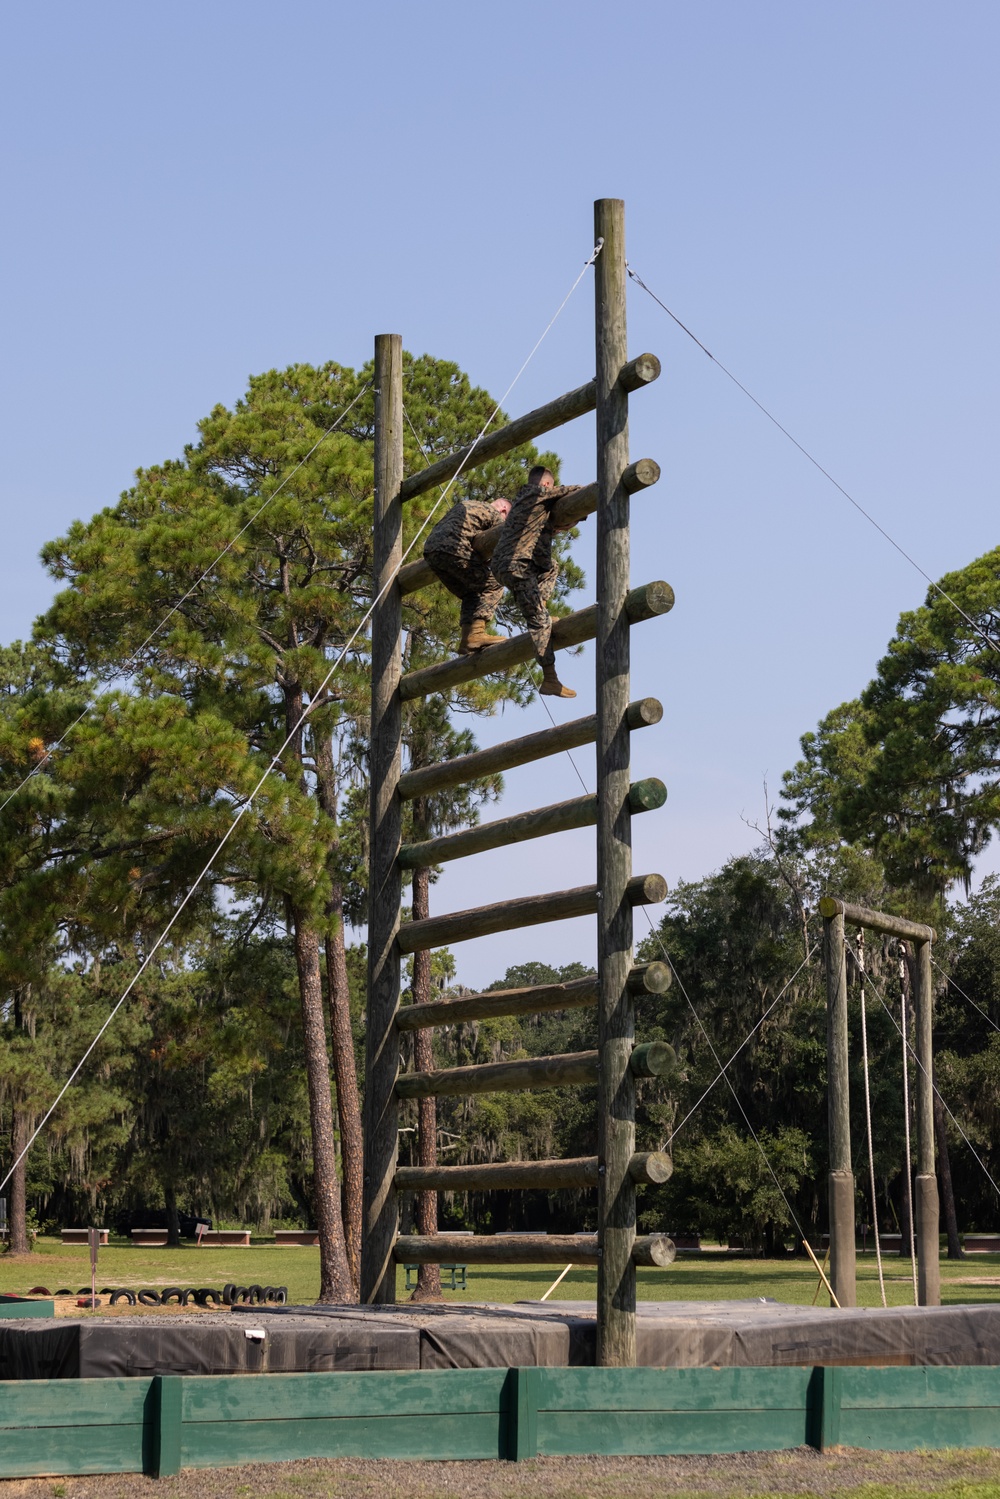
[649, 978]
[564, 736]
[581, 812]
[531, 910]
[641, 604]
[568, 511]
[500, 1176]
[572, 1069]
[632, 376]
[652, 1059]
[524, 1249]
[649, 1167]
[876, 921]
[378, 1280]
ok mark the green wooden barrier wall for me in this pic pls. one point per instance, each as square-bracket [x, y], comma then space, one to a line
[160, 1425]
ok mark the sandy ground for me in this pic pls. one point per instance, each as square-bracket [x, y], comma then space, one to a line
[800, 1472]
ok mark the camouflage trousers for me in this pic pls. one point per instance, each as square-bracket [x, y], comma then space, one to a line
[531, 589]
[472, 582]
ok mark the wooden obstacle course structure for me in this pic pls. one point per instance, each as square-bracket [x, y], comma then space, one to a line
[614, 1065]
[843, 1255]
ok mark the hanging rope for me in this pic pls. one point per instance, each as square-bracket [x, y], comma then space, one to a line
[317, 698]
[868, 1118]
[904, 1032]
[936, 1090]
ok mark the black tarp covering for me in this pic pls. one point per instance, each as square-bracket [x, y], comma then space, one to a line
[670, 1334]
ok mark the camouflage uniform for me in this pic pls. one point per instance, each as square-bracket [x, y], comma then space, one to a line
[523, 560]
[449, 553]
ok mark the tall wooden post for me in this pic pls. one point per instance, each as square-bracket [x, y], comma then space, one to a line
[926, 1206]
[843, 1256]
[616, 1023]
[378, 1270]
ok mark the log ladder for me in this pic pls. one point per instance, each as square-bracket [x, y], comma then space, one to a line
[617, 1168]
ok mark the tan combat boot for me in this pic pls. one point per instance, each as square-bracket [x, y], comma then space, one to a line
[551, 685]
[474, 637]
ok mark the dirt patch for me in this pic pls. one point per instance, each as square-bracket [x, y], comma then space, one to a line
[973, 1474]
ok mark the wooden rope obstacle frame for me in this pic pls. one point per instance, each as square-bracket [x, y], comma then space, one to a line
[617, 1168]
[843, 1262]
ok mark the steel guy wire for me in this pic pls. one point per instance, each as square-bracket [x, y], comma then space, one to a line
[972, 1002]
[987, 639]
[303, 717]
[133, 660]
[934, 1086]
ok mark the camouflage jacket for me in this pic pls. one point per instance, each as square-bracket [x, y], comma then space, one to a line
[526, 539]
[453, 535]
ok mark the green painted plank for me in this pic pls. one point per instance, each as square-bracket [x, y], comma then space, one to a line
[276, 1397]
[72, 1451]
[209, 1444]
[937, 1385]
[16, 1308]
[168, 1392]
[672, 1389]
[664, 1433]
[72, 1402]
[896, 1430]
[522, 1414]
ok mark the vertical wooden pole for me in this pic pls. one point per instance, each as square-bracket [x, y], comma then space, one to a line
[378, 1270]
[927, 1208]
[843, 1257]
[616, 1024]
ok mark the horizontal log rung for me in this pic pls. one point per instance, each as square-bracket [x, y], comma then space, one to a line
[647, 602]
[566, 512]
[510, 915]
[645, 1168]
[562, 817]
[571, 1069]
[523, 1249]
[576, 994]
[635, 374]
[877, 921]
[426, 779]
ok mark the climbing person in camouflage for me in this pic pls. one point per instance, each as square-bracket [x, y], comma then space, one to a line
[451, 555]
[523, 561]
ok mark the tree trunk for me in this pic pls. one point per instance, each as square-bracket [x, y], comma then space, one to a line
[345, 1073]
[345, 1070]
[18, 1220]
[173, 1222]
[335, 1274]
[955, 1251]
[428, 1276]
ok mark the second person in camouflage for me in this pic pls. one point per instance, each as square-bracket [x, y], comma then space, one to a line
[523, 561]
[450, 553]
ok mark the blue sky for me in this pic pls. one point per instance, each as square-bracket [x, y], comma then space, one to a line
[197, 192]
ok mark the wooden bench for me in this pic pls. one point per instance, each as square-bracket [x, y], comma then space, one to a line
[307, 1236]
[79, 1235]
[230, 1237]
[149, 1238]
[458, 1281]
[981, 1243]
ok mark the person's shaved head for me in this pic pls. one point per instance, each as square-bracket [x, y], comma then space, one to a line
[541, 476]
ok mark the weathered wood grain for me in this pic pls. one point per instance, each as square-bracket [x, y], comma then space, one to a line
[378, 1279]
[647, 602]
[532, 910]
[427, 779]
[632, 376]
[572, 1069]
[580, 812]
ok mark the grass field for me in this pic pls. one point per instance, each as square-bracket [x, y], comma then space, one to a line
[708, 1277]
